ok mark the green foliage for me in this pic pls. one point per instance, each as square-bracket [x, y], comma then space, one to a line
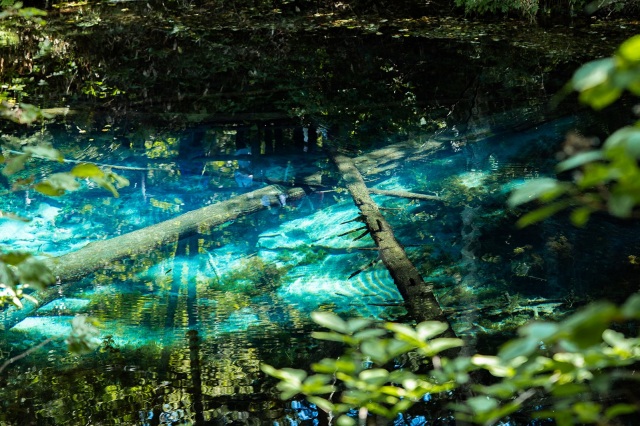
[15, 9]
[366, 381]
[527, 8]
[601, 82]
[19, 271]
[577, 361]
[18, 112]
[21, 113]
[607, 179]
[57, 184]
[100, 90]
[84, 335]
[531, 8]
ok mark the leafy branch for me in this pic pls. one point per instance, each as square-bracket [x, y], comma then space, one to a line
[606, 179]
[18, 270]
[576, 361]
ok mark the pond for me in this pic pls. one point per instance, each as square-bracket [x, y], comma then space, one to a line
[185, 326]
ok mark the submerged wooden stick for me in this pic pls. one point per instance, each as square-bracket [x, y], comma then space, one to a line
[418, 295]
[101, 254]
[404, 194]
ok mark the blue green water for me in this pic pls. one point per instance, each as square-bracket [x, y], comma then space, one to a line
[185, 329]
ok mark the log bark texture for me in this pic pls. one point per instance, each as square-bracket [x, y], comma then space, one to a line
[100, 254]
[418, 295]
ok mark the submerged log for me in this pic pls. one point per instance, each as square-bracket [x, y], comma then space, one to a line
[100, 254]
[73, 266]
[418, 295]
[404, 194]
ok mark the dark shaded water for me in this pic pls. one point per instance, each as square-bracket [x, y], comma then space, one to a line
[185, 329]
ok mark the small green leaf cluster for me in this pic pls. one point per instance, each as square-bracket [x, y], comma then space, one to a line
[607, 179]
[100, 90]
[362, 375]
[14, 164]
[84, 337]
[601, 82]
[59, 183]
[577, 362]
[21, 113]
[15, 9]
[19, 271]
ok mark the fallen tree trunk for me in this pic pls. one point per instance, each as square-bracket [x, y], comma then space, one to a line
[418, 295]
[100, 254]
[97, 255]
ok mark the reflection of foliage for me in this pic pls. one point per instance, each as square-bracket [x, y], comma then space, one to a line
[253, 277]
[230, 302]
[83, 339]
[11, 108]
[158, 148]
[577, 361]
[109, 345]
[222, 60]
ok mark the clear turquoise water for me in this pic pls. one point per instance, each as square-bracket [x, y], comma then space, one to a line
[185, 329]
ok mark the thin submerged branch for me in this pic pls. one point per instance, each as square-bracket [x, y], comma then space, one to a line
[405, 194]
[25, 353]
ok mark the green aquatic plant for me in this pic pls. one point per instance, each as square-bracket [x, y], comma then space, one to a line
[577, 362]
[311, 255]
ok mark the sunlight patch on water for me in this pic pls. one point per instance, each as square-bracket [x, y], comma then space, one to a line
[368, 293]
[472, 179]
[59, 326]
[65, 304]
